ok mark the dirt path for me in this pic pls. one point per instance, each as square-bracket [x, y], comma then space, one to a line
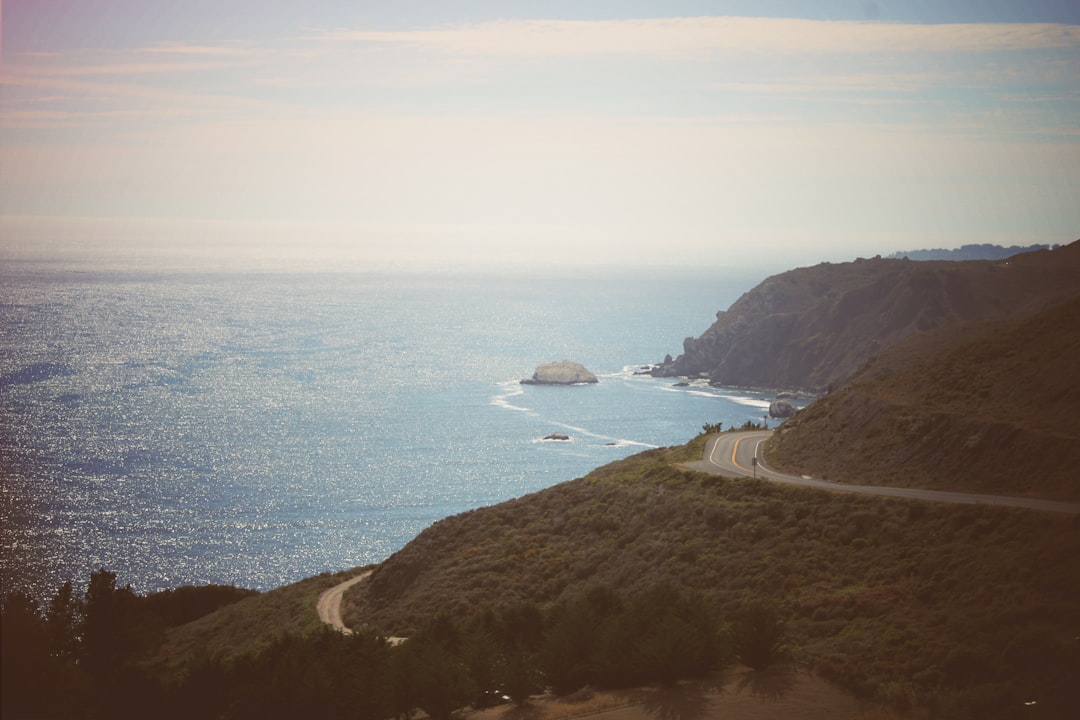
[329, 604]
[329, 607]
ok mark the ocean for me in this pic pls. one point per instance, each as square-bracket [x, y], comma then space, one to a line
[193, 426]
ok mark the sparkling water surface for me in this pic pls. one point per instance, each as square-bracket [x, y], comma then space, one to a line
[192, 427]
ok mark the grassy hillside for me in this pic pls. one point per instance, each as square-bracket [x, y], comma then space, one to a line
[250, 625]
[812, 327]
[985, 406]
[965, 609]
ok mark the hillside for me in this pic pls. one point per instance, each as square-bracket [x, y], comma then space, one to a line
[988, 407]
[964, 608]
[247, 626]
[812, 327]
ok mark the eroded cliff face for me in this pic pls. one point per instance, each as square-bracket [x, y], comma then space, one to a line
[810, 328]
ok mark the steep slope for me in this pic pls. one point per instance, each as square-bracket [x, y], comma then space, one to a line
[904, 601]
[812, 327]
[247, 626]
[986, 406]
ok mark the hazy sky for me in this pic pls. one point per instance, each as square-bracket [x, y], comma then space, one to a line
[605, 131]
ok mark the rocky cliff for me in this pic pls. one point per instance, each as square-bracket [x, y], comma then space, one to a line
[812, 327]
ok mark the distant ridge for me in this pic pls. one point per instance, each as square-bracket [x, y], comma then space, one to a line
[812, 327]
[983, 251]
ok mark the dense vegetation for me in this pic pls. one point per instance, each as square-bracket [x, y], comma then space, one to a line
[247, 627]
[77, 657]
[87, 657]
[639, 572]
[961, 611]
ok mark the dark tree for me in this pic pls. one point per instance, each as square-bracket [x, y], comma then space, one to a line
[25, 656]
[62, 620]
[429, 672]
[758, 637]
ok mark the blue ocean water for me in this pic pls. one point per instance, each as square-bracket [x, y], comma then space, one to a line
[195, 426]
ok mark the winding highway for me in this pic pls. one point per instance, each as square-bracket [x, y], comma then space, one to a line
[738, 454]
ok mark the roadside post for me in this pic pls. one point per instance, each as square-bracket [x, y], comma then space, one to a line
[753, 462]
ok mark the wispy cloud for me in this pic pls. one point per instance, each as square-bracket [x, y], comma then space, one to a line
[95, 89]
[650, 128]
[55, 119]
[129, 69]
[179, 48]
[91, 103]
[876, 83]
[689, 36]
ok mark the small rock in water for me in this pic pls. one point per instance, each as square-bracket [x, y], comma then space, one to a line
[557, 436]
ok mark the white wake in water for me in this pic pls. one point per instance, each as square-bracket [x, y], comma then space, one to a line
[510, 389]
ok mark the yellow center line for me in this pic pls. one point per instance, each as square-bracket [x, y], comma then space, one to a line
[734, 451]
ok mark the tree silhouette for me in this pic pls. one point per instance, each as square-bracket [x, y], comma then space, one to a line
[758, 636]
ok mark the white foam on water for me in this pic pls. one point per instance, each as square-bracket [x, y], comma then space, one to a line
[748, 401]
[510, 389]
[619, 442]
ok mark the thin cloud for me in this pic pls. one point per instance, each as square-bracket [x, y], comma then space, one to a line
[691, 36]
[127, 100]
[177, 48]
[120, 69]
[103, 89]
[45, 119]
[861, 83]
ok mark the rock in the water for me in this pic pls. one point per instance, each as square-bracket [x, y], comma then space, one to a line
[557, 436]
[781, 409]
[564, 372]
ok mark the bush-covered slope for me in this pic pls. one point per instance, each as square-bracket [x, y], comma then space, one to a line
[249, 625]
[991, 407]
[811, 327]
[974, 609]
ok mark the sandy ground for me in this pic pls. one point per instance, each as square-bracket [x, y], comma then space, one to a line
[744, 695]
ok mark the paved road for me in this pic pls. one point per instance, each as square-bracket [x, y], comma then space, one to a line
[738, 454]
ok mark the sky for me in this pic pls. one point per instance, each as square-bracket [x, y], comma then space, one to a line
[602, 133]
